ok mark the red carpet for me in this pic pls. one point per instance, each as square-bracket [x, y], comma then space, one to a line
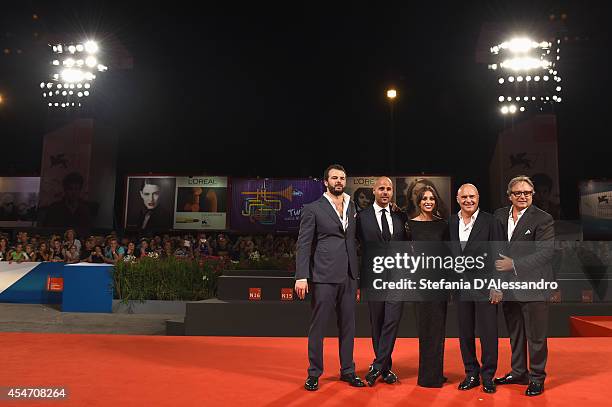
[117, 370]
[591, 326]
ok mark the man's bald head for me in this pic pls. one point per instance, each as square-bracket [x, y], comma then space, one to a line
[383, 191]
[468, 199]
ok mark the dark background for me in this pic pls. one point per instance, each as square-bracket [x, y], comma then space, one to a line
[285, 91]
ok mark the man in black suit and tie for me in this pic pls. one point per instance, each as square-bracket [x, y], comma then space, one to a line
[473, 232]
[377, 223]
[530, 232]
[327, 256]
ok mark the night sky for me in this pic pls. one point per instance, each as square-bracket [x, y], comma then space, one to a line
[283, 92]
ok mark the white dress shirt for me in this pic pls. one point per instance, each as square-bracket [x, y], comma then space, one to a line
[511, 223]
[378, 211]
[344, 217]
[465, 230]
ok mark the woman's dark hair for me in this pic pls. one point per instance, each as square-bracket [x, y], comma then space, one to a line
[367, 192]
[412, 208]
[151, 181]
[421, 195]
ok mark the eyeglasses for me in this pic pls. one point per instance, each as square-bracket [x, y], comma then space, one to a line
[519, 193]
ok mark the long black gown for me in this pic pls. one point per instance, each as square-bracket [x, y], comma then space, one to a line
[430, 315]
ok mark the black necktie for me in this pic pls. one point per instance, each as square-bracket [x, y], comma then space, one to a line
[386, 232]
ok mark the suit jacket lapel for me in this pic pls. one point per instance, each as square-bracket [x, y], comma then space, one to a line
[475, 230]
[522, 225]
[331, 211]
[453, 224]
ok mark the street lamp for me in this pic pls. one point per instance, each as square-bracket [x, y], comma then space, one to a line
[391, 96]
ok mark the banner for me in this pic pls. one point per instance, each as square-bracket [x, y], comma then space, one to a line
[150, 203]
[201, 203]
[271, 205]
[18, 201]
[596, 208]
[528, 148]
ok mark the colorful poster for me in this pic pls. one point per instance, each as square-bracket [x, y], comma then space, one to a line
[271, 205]
[201, 203]
[18, 201]
[150, 203]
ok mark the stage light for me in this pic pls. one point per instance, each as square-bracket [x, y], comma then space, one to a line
[86, 93]
[500, 80]
[42, 85]
[391, 93]
[509, 99]
[91, 47]
[522, 109]
[80, 94]
[80, 47]
[512, 109]
[89, 76]
[72, 75]
[545, 77]
[533, 98]
[558, 99]
[526, 98]
[528, 78]
[55, 62]
[504, 109]
[87, 86]
[72, 49]
[519, 79]
[79, 85]
[69, 62]
[524, 64]
[91, 61]
[64, 93]
[49, 85]
[59, 85]
[511, 79]
[501, 98]
[517, 98]
[536, 78]
[558, 88]
[50, 104]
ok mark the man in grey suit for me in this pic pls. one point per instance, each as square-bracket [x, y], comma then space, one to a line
[530, 232]
[327, 256]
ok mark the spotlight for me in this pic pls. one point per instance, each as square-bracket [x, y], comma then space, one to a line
[536, 78]
[80, 47]
[511, 79]
[558, 88]
[519, 79]
[86, 93]
[72, 49]
[55, 62]
[69, 62]
[87, 86]
[80, 94]
[91, 47]
[522, 109]
[512, 109]
[528, 78]
[501, 98]
[545, 77]
[524, 64]
[91, 61]
[42, 85]
[504, 109]
[500, 80]
[73, 75]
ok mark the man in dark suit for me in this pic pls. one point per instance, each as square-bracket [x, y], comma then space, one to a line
[378, 223]
[327, 256]
[530, 232]
[473, 233]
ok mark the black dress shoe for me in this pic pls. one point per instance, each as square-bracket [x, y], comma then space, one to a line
[511, 379]
[352, 379]
[312, 383]
[372, 376]
[469, 383]
[389, 377]
[534, 389]
[444, 379]
[488, 386]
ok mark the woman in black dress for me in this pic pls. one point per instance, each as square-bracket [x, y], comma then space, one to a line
[428, 225]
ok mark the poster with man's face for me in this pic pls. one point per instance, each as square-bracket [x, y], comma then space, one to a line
[150, 203]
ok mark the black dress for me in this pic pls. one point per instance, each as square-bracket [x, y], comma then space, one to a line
[430, 315]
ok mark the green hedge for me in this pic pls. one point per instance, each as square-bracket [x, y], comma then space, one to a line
[168, 279]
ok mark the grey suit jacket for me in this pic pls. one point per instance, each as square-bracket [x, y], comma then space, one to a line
[531, 246]
[325, 252]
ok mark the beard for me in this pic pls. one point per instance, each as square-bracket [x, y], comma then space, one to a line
[332, 190]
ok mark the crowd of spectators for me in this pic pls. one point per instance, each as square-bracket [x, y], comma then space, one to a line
[70, 248]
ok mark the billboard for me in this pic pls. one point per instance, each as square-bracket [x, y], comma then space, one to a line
[271, 205]
[150, 203]
[18, 201]
[201, 203]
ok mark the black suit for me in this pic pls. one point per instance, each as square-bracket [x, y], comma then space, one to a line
[327, 256]
[531, 248]
[384, 315]
[474, 308]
